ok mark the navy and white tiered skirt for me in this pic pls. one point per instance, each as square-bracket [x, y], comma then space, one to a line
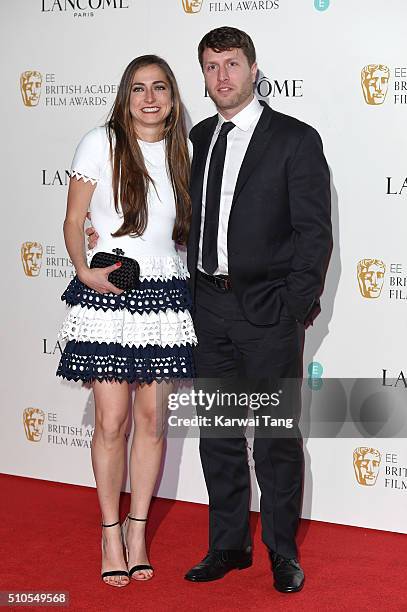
[143, 335]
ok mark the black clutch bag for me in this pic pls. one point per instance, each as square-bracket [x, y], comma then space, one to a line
[126, 277]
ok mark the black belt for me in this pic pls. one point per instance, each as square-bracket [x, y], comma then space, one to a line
[221, 281]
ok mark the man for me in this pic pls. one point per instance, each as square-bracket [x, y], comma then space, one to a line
[258, 250]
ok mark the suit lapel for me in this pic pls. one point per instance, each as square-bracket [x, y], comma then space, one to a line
[257, 146]
[201, 148]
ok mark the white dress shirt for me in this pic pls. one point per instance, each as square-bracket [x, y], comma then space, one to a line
[238, 140]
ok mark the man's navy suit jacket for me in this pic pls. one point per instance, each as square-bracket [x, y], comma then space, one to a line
[279, 235]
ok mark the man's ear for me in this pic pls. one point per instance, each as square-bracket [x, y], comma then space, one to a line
[254, 70]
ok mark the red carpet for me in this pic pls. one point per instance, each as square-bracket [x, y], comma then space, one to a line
[50, 541]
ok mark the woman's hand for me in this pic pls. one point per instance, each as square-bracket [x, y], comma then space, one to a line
[96, 278]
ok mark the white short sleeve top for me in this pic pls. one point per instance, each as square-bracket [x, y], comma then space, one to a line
[92, 163]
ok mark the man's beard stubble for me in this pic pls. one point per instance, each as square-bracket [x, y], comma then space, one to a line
[235, 101]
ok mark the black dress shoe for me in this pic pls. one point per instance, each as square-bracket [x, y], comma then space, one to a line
[288, 574]
[217, 563]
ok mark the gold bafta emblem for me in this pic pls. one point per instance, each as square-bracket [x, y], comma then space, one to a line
[192, 6]
[31, 256]
[33, 419]
[375, 81]
[30, 87]
[366, 463]
[371, 277]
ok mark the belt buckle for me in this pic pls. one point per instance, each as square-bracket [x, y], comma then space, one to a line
[223, 283]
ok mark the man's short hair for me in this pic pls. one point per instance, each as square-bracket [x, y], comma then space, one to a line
[225, 38]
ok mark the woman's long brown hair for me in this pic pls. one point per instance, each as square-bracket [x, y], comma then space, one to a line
[131, 180]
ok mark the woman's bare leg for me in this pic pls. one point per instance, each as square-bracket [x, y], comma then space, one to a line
[108, 455]
[149, 413]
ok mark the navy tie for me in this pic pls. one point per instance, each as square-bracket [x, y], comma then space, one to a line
[212, 203]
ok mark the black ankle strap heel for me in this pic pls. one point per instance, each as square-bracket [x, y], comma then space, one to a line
[135, 568]
[113, 572]
[111, 524]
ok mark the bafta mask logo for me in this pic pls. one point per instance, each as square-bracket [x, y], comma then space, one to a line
[371, 277]
[375, 81]
[30, 86]
[366, 463]
[33, 419]
[31, 256]
[192, 6]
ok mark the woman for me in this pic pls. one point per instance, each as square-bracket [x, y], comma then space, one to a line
[134, 174]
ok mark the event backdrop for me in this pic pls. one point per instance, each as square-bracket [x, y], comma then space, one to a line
[340, 66]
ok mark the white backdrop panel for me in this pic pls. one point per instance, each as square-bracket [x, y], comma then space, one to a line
[310, 64]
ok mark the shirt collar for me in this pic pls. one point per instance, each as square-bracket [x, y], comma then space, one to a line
[246, 117]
